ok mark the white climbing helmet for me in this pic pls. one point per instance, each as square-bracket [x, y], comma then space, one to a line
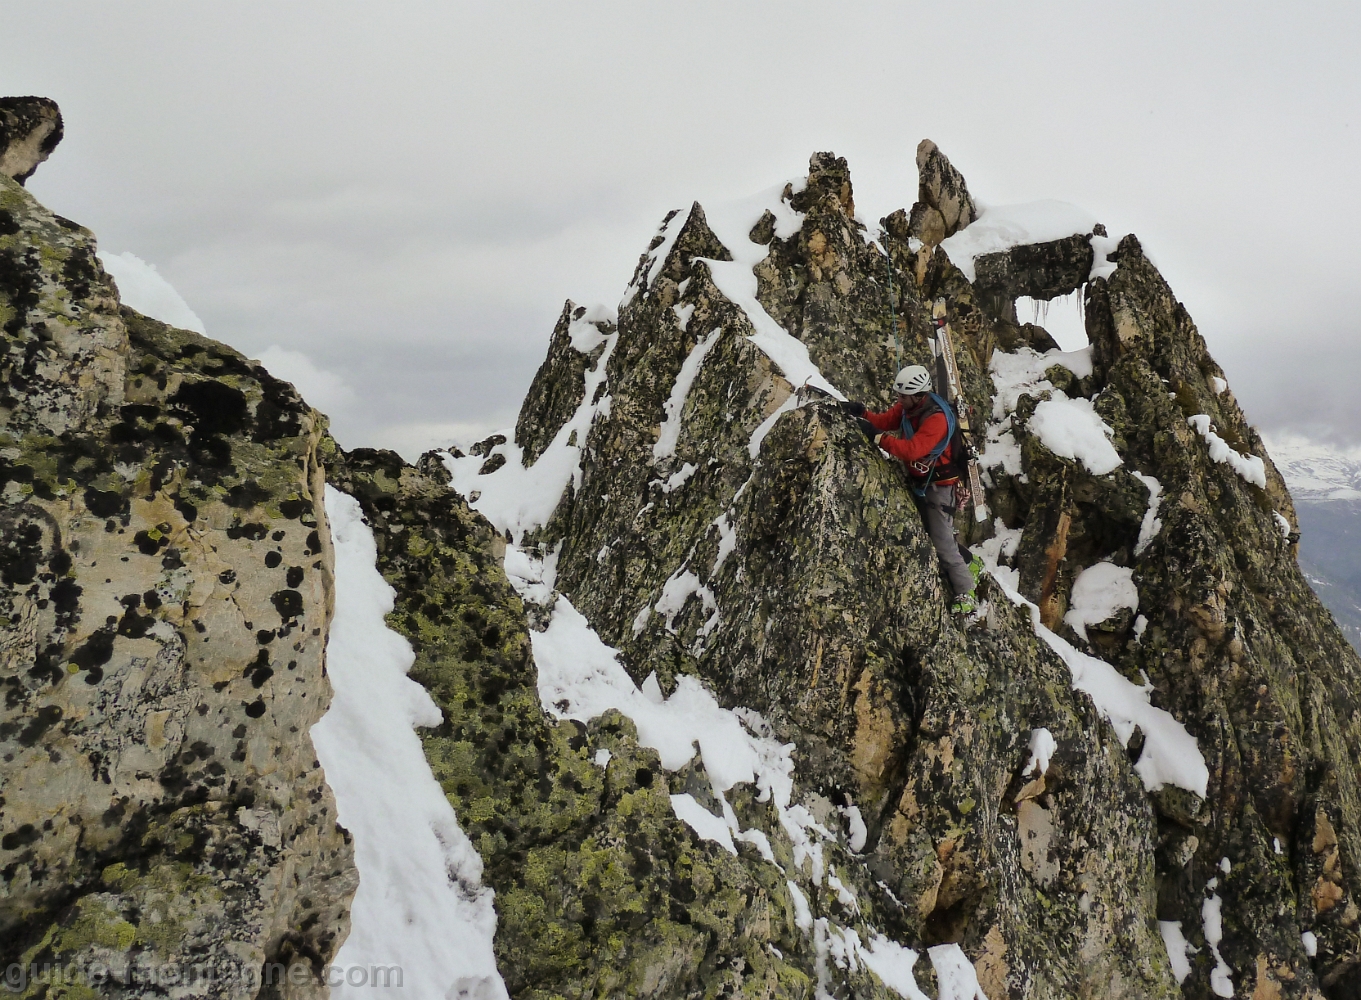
[912, 380]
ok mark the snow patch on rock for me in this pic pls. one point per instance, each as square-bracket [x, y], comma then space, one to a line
[421, 905]
[731, 223]
[1250, 467]
[675, 403]
[704, 823]
[1171, 755]
[1021, 373]
[1072, 429]
[1099, 592]
[1212, 921]
[1042, 747]
[1178, 949]
[1001, 227]
[142, 287]
[1151, 525]
[519, 499]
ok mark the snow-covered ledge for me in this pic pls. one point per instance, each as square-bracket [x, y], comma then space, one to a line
[422, 923]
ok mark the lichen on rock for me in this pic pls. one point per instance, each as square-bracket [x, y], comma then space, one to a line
[871, 810]
[770, 552]
[166, 589]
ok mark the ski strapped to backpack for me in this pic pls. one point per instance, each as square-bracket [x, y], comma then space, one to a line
[944, 350]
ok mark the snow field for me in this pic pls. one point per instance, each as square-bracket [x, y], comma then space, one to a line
[141, 286]
[1315, 471]
[420, 905]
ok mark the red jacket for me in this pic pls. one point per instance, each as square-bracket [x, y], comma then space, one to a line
[929, 427]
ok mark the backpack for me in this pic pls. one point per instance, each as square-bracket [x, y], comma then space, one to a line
[954, 439]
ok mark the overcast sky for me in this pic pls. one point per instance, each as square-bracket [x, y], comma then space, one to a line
[407, 192]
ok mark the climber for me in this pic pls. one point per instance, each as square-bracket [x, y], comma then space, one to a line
[917, 430]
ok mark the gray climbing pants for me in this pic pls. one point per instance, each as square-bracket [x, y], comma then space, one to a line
[938, 513]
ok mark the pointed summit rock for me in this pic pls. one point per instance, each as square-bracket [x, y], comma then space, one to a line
[943, 205]
[30, 128]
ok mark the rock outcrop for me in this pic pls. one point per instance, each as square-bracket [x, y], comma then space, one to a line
[30, 128]
[744, 533]
[1151, 792]
[943, 205]
[166, 593]
[1041, 271]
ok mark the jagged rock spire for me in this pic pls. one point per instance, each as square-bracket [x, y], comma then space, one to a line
[30, 128]
[943, 205]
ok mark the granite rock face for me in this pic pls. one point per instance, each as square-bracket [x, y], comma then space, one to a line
[166, 577]
[943, 205]
[165, 587]
[817, 602]
[30, 128]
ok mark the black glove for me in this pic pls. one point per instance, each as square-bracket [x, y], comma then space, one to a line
[868, 428]
[853, 408]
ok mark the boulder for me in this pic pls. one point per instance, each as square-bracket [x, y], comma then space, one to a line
[943, 204]
[1040, 270]
[166, 584]
[30, 128]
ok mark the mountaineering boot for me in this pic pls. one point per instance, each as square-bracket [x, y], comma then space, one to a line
[965, 604]
[976, 569]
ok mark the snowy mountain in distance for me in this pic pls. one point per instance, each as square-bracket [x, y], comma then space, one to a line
[1317, 472]
[1326, 484]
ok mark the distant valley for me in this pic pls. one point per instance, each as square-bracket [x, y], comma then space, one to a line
[1326, 485]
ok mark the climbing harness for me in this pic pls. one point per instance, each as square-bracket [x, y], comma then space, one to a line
[929, 462]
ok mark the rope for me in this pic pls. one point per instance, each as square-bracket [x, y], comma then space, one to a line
[892, 313]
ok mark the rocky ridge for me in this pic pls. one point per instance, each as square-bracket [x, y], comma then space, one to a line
[685, 540]
[720, 524]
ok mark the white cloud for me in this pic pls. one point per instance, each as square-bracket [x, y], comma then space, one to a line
[478, 164]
